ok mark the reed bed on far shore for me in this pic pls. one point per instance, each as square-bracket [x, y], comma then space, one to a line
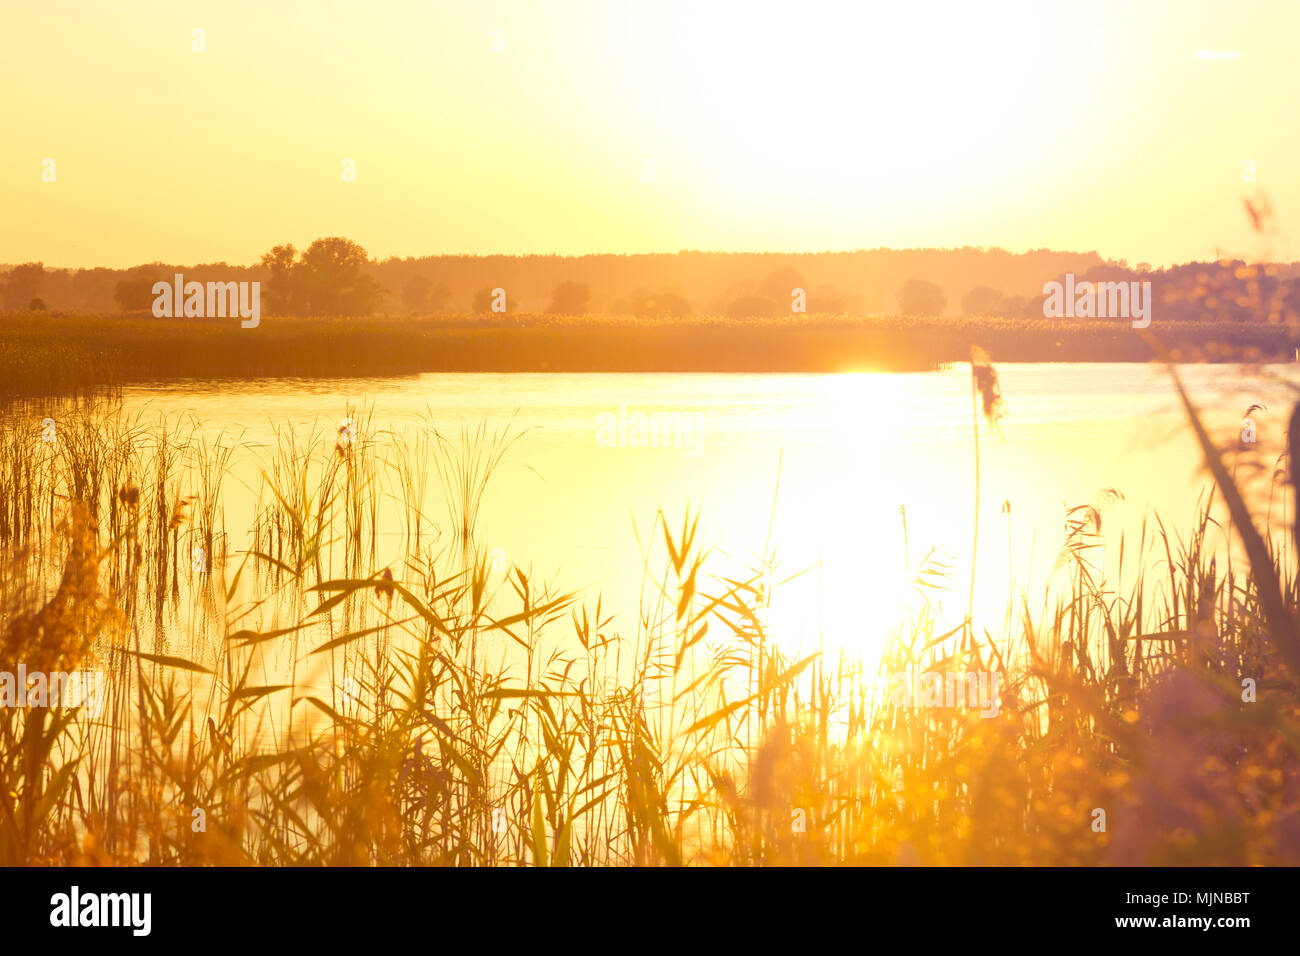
[53, 355]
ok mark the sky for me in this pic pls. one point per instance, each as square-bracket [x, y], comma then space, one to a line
[590, 126]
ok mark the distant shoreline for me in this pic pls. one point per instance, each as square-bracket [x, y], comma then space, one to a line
[45, 354]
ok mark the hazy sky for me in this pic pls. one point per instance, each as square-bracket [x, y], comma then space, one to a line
[800, 126]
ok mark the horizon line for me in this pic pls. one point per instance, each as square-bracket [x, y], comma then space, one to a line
[1121, 262]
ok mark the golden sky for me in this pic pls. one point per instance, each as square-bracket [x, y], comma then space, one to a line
[795, 126]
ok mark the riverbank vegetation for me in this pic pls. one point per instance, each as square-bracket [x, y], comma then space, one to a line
[300, 700]
[44, 354]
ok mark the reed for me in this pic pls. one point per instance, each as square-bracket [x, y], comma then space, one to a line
[94, 355]
[358, 686]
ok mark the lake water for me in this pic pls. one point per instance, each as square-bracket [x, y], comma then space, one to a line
[820, 466]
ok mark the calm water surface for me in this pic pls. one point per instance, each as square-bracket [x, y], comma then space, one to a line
[822, 466]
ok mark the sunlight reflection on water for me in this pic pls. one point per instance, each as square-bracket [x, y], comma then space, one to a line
[829, 461]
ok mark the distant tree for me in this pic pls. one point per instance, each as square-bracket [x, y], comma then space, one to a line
[983, 300]
[331, 274]
[779, 284]
[918, 297]
[439, 296]
[329, 278]
[570, 298]
[486, 297]
[416, 293]
[22, 284]
[281, 288]
[36, 305]
[134, 293]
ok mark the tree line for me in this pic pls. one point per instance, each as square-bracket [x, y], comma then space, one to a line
[336, 277]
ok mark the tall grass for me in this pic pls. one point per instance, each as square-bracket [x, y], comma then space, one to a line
[298, 703]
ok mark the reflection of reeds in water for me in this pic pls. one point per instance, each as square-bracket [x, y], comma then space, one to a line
[471, 721]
